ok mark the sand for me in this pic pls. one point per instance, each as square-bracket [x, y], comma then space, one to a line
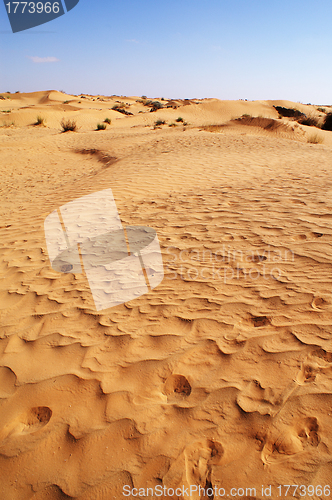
[220, 377]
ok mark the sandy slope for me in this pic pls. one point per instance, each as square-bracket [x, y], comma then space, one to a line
[222, 375]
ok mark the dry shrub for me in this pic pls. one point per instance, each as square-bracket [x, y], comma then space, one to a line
[101, 126]
[315, 139]
[268, 124]
[310, 121]
[68, 125]
[289, 112]
[327, 125]
[40, 120]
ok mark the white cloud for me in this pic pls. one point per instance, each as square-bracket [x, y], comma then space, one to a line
[133, 41]
[37, 59]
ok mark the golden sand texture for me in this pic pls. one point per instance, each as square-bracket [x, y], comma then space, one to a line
[222, 375]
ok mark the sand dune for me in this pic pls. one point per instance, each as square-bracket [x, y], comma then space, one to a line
[221, 376]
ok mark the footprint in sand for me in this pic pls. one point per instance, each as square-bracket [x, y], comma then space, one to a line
[176, 388]
[307, 430]
[199, 457]
[258, 321]
[320, 304]
[291, 440]
[300, 237]
[307, 373]
[310, 236]
[32, 421]
[36, 418]
[319, 363]
[258, 258]
[194, 466]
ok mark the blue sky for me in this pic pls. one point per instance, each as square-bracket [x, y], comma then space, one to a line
[234, 49]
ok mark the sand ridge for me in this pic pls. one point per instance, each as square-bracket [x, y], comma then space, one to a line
[220, 376]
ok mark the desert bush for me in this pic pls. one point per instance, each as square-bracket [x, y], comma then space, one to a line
[322, 110]
[7, 125]
[310, 121]
[172, 125]
[289, 112]
[108, 121]
[101, 126]
[40, 120]
[327, 125]
[171, 104]
[268, 124]
[315, 139]
[68, 125]
[155, 105]
[179, 119]
[159, 122]
[121, 108]
[116, 107]
[66, 102]
[245, 115]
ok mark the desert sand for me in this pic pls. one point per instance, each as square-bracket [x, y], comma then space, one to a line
[221, 376]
